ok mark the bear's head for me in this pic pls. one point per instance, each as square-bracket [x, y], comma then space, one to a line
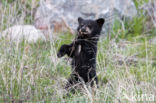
[89, 28]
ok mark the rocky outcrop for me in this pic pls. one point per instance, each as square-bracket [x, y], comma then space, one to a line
[61, 15]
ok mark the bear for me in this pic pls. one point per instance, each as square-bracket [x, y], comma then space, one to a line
[83, 51]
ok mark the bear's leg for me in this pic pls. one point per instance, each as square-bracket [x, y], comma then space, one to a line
[67, 49]
[64, 49]
[93, 77]
[71, 82]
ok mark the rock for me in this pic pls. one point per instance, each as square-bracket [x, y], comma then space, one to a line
[19, 32]
[126, 7]
[52, 13]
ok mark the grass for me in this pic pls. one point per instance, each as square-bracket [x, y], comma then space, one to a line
[126, 66]
[33, 73]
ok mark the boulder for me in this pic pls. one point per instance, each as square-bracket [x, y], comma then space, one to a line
[52, 13]
[19, 32]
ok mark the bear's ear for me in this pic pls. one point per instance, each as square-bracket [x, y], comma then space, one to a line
[100, 21]
[80, 20]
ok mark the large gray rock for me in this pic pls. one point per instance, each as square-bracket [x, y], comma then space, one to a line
[61, 15]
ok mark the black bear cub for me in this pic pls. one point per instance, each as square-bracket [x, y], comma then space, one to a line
[83, 52]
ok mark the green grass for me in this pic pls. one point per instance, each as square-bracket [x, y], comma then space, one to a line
[33, 73]
[126, 64]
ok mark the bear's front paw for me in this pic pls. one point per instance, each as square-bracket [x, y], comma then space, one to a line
[62, 51]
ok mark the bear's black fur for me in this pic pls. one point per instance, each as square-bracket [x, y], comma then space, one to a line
[83, 51]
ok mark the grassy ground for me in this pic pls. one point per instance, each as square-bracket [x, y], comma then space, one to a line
[126, 68]
[32, 72]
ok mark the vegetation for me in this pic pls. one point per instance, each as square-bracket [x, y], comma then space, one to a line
[126, 63]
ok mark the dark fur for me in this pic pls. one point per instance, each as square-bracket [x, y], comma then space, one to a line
[83, 51]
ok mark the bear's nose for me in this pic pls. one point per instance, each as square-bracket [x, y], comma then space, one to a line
[83, 29]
